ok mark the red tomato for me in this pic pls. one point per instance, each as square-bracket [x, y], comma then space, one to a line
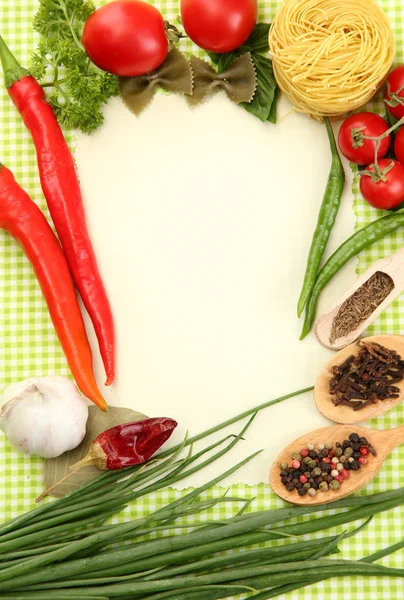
[399, 146]
[352, 144]
[126, 37]
[395, 92]
[219, 25]
[384, 194]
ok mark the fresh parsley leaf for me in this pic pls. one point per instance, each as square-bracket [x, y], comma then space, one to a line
[76, 89]
[265, 101]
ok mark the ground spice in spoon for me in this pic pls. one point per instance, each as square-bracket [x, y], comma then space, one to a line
[358, 307]
[368, 377]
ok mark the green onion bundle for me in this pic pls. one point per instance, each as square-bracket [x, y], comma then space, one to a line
[65, 550]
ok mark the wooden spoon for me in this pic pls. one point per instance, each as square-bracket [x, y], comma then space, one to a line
[345, 414]
[393, 266]
[383, 441]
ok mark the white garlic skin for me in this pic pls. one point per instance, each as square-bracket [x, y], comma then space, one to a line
[45, 416]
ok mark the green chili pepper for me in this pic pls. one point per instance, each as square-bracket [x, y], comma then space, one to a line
[360, 240]
[326, 219]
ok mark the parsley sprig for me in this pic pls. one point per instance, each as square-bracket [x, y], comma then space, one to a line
[76, 89]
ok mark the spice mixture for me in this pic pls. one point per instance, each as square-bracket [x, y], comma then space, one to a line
[358, 307]
[368, 377]
[322, 467]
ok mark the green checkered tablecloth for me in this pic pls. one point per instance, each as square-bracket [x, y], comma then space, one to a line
[28, 345]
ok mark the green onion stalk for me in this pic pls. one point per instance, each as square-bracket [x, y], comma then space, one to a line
[66, 549]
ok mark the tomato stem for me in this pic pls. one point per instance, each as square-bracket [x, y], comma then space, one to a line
[380, 174]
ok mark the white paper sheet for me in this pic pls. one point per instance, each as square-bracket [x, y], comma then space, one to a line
[201, 220]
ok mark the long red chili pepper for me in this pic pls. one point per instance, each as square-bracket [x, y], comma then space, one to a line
[128, 444]
[62, 192]
[24, 221]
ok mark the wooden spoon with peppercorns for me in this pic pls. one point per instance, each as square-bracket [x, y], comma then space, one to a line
[351, 390]
[380, 443]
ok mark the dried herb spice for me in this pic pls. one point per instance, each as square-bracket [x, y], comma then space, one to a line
[368, 377]
[358, 307]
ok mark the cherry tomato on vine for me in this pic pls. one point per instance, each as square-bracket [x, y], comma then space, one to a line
[219, 25]
[352, 144]
[386, 194]
[126, 38]
[394, 95]
[399, 146]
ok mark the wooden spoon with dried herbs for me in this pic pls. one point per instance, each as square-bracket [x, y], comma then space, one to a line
[359, 306]
[362, 381]
[379, 444]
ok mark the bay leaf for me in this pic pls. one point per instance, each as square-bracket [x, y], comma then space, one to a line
[56, 468]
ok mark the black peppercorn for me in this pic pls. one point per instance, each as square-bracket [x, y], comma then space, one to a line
[337, 445]
[363, 441]
[302, 492]
[326, 467]
[294, 481]
[313, 454]
[347, 466]
[346, 444]
[284, 473]
[302, 468]
[284, 480]
[296, 474]
[315, 485]
[354, 437]
[356, 447]
[298, 485]
[355, 465]
[320, 479]
[289, 477]
[327, 478]
[290, 486]
[311, 480]
[356, 455]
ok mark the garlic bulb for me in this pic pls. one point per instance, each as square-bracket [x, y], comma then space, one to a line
[43, 415]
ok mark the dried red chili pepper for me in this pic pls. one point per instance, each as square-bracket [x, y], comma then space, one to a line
[128, 444]
[63, 196]
[24, 221]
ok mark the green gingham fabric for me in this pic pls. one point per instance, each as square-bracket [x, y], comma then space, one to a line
[28, 345]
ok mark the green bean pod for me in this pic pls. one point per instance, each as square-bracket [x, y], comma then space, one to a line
[326, 219]
[359, 241]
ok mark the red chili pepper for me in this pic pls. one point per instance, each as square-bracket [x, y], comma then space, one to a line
[24, 221]
[62, 192]
[128, 444]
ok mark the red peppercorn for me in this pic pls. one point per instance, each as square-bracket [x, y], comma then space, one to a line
[331, 454]
[344, 474]
[364, 451]
[304, 452]
[327, 459]
[363, 460]
[339, 478]
[303, 478]
[296, 464]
